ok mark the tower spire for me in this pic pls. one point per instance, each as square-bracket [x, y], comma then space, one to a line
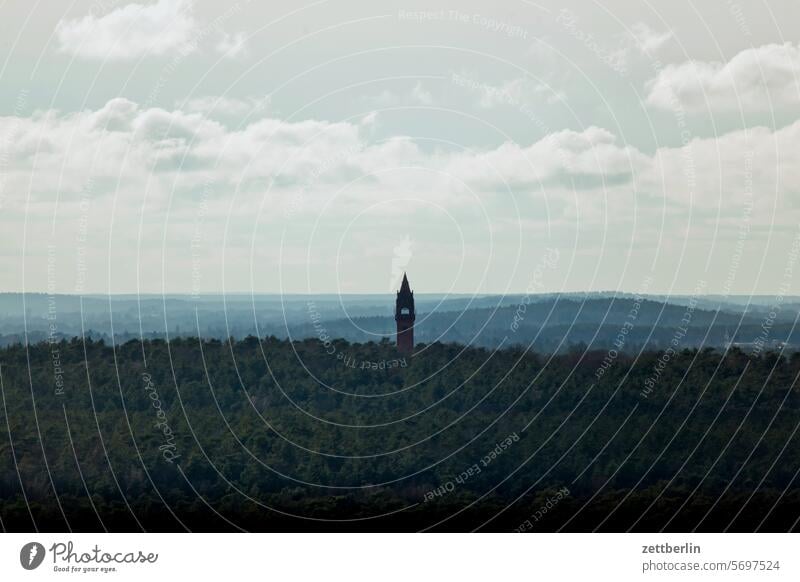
[404, 286]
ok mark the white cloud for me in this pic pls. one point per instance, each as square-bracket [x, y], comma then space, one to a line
[226, 107]
[756, 79]
[589, 157]
[515, 92]
[417, 95]
[130, 32]
[124, 147]
[135, 30]
[233, 45]
[518, 91]
[157, 163]
[420, 95]
[648, 40]
[370, 119]
[723, 172]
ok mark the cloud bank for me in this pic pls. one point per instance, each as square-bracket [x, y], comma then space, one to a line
[756, 79]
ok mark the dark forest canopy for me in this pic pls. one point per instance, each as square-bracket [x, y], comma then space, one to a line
[267, 434]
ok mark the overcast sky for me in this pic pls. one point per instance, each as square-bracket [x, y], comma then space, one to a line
[199, 146]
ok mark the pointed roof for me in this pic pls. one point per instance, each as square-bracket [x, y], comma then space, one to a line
[404, 287]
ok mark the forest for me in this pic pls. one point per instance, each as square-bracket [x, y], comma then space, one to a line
[267, 434]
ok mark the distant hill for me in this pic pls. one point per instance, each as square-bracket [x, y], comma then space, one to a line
[558, 325]
[551, 323]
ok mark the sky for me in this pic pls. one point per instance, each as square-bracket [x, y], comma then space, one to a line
[190, 146]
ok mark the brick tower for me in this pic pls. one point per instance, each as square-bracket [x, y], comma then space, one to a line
[405, 315]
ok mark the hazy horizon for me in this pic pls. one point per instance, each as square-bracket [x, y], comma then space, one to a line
[390, 294]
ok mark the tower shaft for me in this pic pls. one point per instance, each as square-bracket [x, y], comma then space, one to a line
[404, 316]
